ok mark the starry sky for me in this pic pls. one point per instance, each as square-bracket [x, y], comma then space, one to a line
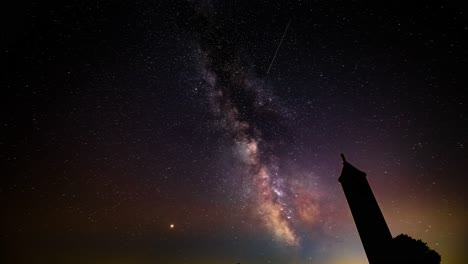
[211, 131]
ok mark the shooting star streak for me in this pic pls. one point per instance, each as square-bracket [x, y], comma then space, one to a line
[277, 49]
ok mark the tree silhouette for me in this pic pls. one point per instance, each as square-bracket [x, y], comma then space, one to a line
[410, 250]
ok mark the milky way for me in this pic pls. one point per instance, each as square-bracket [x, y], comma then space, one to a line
[250, 117]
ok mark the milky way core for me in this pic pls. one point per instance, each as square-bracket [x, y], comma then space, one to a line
[247, 112]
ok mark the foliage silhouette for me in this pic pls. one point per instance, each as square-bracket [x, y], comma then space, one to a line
[410, 250]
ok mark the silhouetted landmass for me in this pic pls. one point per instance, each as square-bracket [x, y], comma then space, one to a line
[410, 250]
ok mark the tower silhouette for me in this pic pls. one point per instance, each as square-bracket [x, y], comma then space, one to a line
[372, 228]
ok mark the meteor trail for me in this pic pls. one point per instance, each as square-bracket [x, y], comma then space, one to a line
[277, 49]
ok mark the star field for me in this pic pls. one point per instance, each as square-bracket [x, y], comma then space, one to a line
[156, 132]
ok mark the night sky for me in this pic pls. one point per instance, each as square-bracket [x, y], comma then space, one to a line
[164, 131]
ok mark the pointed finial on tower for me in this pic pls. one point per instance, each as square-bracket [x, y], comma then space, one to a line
[343, 157]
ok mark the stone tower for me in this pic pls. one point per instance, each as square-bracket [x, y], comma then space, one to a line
[373, 230]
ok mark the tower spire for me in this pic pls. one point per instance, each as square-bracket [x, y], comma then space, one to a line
[343, 157]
